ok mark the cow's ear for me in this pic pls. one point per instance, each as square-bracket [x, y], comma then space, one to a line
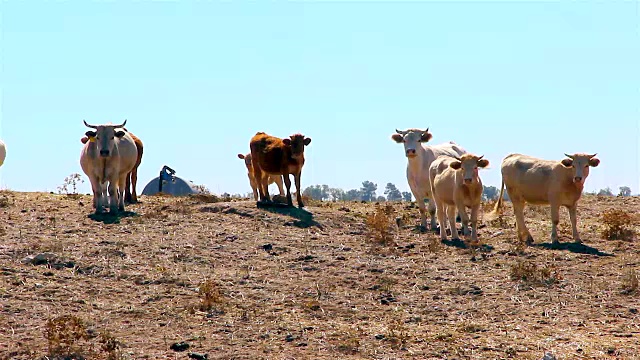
[90, 134]
[84, 140]
[397, 138]
[567, 162]
[241, 156]
[593, 162]
[307, 141]
[483, 163]
[120, 133]
[287, 142]
[426, 136]
[455, 165]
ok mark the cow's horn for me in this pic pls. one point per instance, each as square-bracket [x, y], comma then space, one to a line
[123, 124]
[569, 156]
[457, 158]
[87, 125]
[400, 132]
[590, 156]
[481, 156]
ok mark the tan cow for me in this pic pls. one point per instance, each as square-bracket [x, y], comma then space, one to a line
[107, 158]
[252, 179]
[274, 156]
[130, 195]
[544, 182]
[456, 186]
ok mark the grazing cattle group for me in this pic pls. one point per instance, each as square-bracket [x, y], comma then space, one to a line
[445, 173]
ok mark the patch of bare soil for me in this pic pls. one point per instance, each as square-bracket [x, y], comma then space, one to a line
[203, 278]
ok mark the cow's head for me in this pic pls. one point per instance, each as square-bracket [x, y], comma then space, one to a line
[580, 164]
[411, 139]
[104, 136]
[297, 142]
[247, 160]
[469, 164]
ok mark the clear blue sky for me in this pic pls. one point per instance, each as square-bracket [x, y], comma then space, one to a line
[197, 79]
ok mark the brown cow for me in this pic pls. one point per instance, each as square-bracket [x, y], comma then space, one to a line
[252, 179]
[544, 182]
[130, 195]
[274, 156]
[456, 185]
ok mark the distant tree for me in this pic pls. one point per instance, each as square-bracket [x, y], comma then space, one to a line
[368, 191]
[624, 191]
[381, 199]
[489, 192]
[606, 192]
[353, 195]
[392, 192]
[406, 196]
[336, 194]
[314, 192]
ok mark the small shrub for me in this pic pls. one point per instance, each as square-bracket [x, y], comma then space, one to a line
[69, 186]
[630, 282]
[202, 189]
[211, 295]
[616, 225]
[530, 273]
[63, 334]
[110, 346]
[380, 224]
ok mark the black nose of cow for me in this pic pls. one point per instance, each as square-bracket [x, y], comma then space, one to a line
[577, 178]
[411, 152]
[467, 181]
[104, 152]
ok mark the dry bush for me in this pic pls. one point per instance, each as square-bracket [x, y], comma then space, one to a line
[629, 283]
[211, 295]
[63, 336]
[110, 346]
[617, 225]
[380, 223]
[70, 184]
[532, 274]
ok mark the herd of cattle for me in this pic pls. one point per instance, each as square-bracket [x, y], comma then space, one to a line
[446, 174]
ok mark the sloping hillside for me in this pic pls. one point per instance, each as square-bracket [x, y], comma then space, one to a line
[233, 281]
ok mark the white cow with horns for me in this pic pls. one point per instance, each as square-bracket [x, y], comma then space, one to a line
[108, 156]
[420, 156]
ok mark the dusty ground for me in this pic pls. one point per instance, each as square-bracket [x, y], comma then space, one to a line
[285, 284]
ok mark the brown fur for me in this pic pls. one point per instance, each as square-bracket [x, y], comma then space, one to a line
[271, 155]
[277, 179]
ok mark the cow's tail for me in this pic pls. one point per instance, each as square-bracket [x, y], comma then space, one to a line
[497, 209]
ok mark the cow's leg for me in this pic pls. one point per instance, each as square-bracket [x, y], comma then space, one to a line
[464, 218]
[442, 215]
[521, 227]
[574, 222]
[432, 212]
[265, 186]
[113, 195]
[278, 181]
[121, 184]
[127, 193]
[555, 219]
[297, 179]
[475, 209]
[95, 188]
[257, 173]
[134, 182]
[254, 187]
[419, 195]
[452, 211]
[287, 184]
[102, 198]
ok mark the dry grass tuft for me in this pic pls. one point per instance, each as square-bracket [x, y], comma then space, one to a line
[211, 295]
[617, 224]
[111, 347]
[380, 224]
[532, 274]
[63, 335]
[629, 283]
